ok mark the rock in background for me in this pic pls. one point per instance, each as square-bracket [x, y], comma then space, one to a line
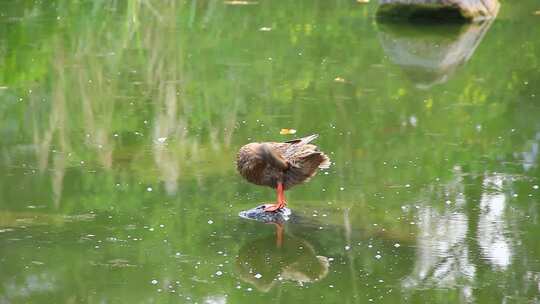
[473, 10]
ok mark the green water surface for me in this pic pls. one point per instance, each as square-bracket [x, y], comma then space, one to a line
[120, 122]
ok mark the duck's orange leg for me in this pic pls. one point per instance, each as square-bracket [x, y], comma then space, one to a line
[280, 199]
[279, 235]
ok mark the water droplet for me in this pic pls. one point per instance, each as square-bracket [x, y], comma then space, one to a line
[535, 187]
[154, 282]
[219, 273]
[210, 222]
[347, 247]
[258, 276]
[378, 256]
[397, 245]
[149, 189]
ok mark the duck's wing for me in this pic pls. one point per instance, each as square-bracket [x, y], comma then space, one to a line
[272, 156]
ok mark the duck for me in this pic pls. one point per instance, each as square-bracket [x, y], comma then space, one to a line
[281, 165]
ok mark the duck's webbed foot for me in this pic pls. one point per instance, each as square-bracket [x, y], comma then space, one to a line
[275, 207]
[280, 191]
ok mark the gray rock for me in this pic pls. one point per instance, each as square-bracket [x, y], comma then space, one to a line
[472, 10]
[258, 214]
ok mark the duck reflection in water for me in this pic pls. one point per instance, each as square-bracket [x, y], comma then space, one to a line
[283, 257]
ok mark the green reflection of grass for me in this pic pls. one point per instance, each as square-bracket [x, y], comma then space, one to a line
[113, 98]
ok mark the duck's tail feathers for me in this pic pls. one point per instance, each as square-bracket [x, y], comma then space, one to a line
[306, 167]
[325, 163]
[304, 140]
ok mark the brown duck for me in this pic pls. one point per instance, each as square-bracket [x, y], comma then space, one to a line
[281, 165]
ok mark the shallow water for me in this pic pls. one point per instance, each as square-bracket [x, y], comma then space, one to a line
[120, 123]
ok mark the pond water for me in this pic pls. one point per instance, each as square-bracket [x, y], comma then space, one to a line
[120, 123]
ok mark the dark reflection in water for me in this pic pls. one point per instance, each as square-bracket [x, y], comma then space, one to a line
[430, 53]
[265, 262]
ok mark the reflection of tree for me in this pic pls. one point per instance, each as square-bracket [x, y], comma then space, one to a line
[453, 242]
[56, 129]
[165, 73]
[495, 245]
[443, 255]
[93, 96]
[347, 227]
[530, 156]
[17, 290]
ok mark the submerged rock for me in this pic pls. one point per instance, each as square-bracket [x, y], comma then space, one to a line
[258, 214]
[472, 10]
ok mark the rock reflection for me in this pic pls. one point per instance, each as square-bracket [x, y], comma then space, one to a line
[283, 257]
[430, 54]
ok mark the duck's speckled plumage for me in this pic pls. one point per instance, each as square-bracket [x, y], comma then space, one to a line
[291, 163]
